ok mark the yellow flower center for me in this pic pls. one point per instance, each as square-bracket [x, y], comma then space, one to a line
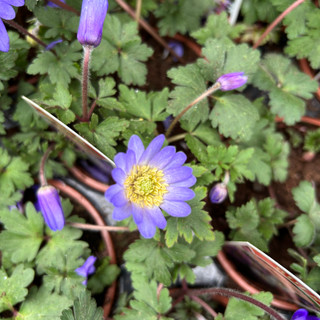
[145, 186]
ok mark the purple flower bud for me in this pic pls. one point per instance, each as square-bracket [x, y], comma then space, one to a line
[50, 207]
[218, 193]
[302, 314]
[232, 81]
[93, 13]
[52, 44]
[87, 268]
[222, 5]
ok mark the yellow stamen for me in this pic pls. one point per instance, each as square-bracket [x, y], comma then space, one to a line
[145, 186]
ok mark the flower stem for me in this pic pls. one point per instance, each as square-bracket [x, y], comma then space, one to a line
[204, 305]
[93, 106]
[238, 295]
[209, 91]
[85, 80]
[176, 137]
[138, 10]
[42, 176]
[65, 6]
[276, 21]
[22, 30]
[86, 226]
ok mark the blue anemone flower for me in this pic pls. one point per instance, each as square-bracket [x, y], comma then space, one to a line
[232, 81]
[87, 268]
[7, 13]
[303, 314]
[148, 180]
[93, 13]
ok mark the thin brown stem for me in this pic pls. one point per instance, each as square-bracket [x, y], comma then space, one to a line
[209, 91]
[93, 106]
[86, 226]
[22, 30]
[276, 21]
[160, 287]
[232, 293]
[42, 176]
[204, 305]
[138, 10]
[85, 80]
[65, 6]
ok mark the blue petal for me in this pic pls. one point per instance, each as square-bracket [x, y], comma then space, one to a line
[16, 3]
[6, 11]
[111, 191]
[137, 213]
[120, 161]
[178, 160]
[153, 148]
[177, 174]
[300, 314]
[164, 157]
[122, 212]
[157, 217]
[4, 38]
[119, 199]
[118, 176]
[130, 160]
[135, 144]
[92, 18]
[179, 194]
[185, 183]
[147, 227]
[176, 208]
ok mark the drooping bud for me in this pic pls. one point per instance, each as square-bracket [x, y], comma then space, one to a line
[218, 193]
[52, 44]
[50, 207]
[232, 81]
[93, 13]
[87, 268]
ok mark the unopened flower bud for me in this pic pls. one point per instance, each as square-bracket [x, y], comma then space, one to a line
[218, 193]
[93, 13]
[87, 268]
[232, 81]
[50, 207]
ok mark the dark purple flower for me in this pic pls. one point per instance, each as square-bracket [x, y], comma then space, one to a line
[177, 47]
[53, 5]
[222, 5]
[7, 13]
[148, 180]
[50, 207]
[232, 81]
[87, 268]
[218, 193]
[99, 170]
[93, 13]
[303, 314]
[52, 44]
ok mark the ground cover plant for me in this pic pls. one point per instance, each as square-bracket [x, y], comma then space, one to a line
[192, 122]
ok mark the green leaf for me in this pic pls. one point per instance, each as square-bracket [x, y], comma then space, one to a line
[197, 223]
[60, 67]
[23, 235]
[258, 10]
[14, 174]
[180, 16]
[42, 304]
[217, 26]
[103, 135]
[313, 279]
[286, 85]
[31, 4]
[13, 288]
[121, 51]
[304, 231]
[259, 164]
[84, 308]
[316, 259]
[149, 106]
[104, 275]
[235, 116]
[7, 62]
[305, 197]
[243, 310]
[190, 85]
[312, 141]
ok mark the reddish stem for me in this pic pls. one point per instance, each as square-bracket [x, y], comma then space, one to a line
[204, 305]
[87, 50]
[65, 6]
[304, 65]
[93, 106]
[276, 21]
[78, 197]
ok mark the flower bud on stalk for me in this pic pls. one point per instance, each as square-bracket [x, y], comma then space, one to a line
[50, 207]
[232, 81]
[93, 13]
[219, 191]
[87, 268]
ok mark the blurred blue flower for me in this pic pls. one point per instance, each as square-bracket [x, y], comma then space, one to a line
[7, 13]
[87, 268]
[303, 314]
[148, 180]
[177, 47]
[232, 81]
[52, 44]
[99, 170]
[93, 13]
[53, 5]
[50, 207]
[218, 193]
